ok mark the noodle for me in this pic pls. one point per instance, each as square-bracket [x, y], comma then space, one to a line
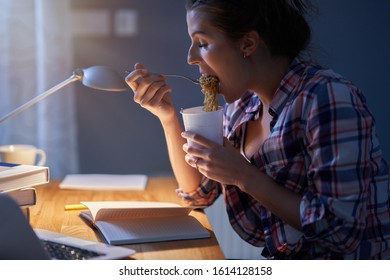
[209, 86]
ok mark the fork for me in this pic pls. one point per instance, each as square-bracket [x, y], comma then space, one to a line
[195, 81]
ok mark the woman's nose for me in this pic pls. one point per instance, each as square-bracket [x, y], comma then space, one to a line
[192, 56]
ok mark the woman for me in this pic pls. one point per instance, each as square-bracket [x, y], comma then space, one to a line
[301, 169]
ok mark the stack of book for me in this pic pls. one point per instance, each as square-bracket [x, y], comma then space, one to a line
[18, 181]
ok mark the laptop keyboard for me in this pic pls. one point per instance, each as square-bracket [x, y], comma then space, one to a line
[60, 251]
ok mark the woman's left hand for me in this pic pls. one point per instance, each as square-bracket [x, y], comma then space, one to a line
[220, 163]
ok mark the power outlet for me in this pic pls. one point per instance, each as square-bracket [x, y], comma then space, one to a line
[126, 23]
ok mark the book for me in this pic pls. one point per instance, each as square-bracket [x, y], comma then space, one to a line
[26, 212]
[102, 182]
[24, 196]
[18, 176]
[130, 222]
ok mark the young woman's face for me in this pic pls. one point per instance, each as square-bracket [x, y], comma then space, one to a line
[215, 54]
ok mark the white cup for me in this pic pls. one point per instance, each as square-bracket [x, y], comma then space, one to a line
[22, 154]
[207, 124]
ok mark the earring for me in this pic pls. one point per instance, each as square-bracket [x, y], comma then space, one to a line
[244, 55]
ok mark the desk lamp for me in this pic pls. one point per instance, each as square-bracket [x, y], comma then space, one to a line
[97, 77]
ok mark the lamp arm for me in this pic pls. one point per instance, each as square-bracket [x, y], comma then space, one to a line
[75, 77]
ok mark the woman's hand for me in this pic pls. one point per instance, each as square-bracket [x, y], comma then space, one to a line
[220, 163]
[151, 92]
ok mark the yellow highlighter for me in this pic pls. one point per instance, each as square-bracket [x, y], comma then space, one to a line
[75, 207]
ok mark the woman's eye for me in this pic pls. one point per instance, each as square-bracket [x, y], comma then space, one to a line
[201, 45]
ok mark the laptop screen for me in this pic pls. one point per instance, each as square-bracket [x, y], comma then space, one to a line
[17, 239]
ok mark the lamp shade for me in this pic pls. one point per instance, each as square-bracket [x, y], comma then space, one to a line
[103, 78]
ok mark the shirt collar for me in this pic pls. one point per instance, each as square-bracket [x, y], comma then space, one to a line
[251, 104]
[285, 91]
[254, 104]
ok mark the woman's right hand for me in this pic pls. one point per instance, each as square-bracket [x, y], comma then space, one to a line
[151, 92]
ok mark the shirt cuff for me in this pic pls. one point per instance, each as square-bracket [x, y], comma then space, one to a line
[205, 195]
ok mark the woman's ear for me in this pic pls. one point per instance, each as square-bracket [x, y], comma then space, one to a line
[249, 43]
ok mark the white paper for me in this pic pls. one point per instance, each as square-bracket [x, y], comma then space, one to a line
[104, 182]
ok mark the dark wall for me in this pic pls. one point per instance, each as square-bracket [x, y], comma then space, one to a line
[117, 136]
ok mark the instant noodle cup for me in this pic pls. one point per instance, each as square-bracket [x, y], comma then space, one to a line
[207, 124]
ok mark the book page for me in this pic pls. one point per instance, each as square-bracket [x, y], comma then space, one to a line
[117, 210]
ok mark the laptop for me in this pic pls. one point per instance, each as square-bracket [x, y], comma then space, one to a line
[19, 241]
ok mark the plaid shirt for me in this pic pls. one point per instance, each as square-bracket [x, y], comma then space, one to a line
[322, 145]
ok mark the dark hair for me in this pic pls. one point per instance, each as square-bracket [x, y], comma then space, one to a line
[280, 23]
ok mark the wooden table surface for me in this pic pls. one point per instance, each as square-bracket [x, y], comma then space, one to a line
[49, 214]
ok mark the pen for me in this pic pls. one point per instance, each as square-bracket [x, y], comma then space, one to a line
[75, 207]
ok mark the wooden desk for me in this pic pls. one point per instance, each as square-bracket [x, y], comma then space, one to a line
[49, 214]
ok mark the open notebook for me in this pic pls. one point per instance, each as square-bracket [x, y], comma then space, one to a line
[18, 241]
